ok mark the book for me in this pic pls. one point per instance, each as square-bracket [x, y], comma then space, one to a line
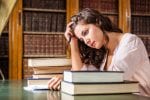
[50, 69]
[93, 76]
[37, 84]
[99, 88]
[50, 75]
[37, 62]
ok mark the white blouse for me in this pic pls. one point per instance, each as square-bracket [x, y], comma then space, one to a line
[131, 57]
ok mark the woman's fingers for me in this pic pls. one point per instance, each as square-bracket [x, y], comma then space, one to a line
[50, 83]
[69, 32]
[57, 85]
[69, 24]
[54, 83]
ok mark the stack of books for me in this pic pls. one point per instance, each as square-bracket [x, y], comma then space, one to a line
[48, 67]
[96, 82]
[44, 69]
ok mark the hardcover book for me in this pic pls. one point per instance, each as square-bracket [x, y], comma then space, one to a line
[93, 76]
[37, 84]
[50, 75]
[99, 88]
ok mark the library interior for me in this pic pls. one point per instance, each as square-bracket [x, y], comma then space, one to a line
[33, 45]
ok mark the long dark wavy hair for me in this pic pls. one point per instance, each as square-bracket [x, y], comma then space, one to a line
[90, 16]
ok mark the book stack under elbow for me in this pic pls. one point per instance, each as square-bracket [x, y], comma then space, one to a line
[48, 67]
[97, 82]
[44, 69]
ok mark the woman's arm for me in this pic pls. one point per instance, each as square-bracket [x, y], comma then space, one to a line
[75, 54]
[54, 83]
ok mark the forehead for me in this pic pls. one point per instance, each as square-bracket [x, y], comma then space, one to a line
[79, 28]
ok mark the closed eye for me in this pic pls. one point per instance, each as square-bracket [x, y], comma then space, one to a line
[84, 33]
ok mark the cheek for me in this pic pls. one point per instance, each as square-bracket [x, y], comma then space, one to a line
[100, 41]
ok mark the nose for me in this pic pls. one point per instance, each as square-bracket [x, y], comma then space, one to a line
[87, 41]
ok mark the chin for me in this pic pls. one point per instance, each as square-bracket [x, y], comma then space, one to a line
[98, 46]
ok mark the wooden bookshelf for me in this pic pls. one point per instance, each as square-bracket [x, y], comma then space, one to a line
[44, 56]
[120, 11]
[108, 8]
[43, 29]
[44, 10]
[31, 32]
[140, 20]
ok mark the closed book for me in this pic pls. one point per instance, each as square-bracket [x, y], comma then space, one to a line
[99, 88]
[50, 69]
[48, 75]
[93, 76]
[36, 84]
[39, 62]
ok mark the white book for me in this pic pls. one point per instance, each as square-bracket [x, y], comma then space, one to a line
[39, 62]
[99, 88]
[37, 84]
[93, 76]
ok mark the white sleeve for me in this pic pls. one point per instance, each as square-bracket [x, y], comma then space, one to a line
[133, 60]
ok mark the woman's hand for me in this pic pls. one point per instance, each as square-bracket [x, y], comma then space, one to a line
[69, 32]
[54, 83]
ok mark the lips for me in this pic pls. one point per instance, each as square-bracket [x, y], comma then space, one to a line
[93, 44]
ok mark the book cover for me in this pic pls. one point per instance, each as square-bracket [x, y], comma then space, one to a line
[93, 76]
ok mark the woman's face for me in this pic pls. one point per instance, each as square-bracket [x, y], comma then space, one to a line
[90, 34]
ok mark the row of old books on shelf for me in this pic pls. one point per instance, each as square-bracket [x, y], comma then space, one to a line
[140, 6]
[140, 25]
[45, 4]
[49, 44]
[101, 5]
[44, 44]
[44, 22]
[146, 41]
[90, 82]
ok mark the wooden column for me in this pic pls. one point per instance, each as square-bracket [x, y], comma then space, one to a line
[72, 9]
[125, 15]
[15, 42]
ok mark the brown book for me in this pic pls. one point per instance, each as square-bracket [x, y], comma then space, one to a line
[55, 69]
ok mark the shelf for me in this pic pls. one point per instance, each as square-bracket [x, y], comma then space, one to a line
[41, 33]
[144, 36]
[140, 14]
[44, 56]
[4, 56]
[5, 32]
[44, 10]
[110, 13]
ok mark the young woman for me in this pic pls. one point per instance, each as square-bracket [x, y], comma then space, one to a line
[97, 44]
